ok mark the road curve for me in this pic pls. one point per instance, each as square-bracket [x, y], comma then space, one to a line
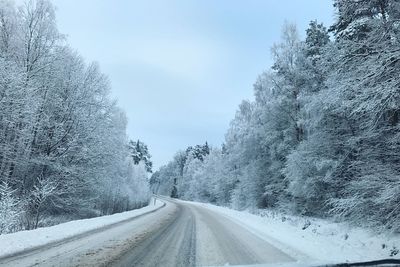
[181, 234]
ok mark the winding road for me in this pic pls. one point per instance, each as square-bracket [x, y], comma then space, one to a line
[179, 234]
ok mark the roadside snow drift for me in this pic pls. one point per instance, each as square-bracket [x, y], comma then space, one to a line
[314, 240]
[15, 243]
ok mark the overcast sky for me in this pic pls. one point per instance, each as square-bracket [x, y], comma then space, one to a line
[180, 68]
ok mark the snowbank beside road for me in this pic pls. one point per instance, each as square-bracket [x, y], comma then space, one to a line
[12, 244]
[314, 240]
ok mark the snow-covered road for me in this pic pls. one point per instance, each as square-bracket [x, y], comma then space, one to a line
[197, 236]
[180, 234]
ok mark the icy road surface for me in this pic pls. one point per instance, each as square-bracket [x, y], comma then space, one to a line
[180, 234]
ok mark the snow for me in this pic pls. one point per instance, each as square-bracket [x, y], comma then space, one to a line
[11, 244]
[321, 242]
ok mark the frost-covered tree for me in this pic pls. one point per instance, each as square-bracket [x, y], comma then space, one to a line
[57, 122]
[168, 180]
[314, 157]
[140, 152]
[42, 192]
[136, 185]
[215, 183]
[188, 184]
[198, 151]
[317, 38]
[9, 209]
[368, 88]
[321, 137]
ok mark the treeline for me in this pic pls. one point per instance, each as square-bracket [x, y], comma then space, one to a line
[322, 137]
[64, 152]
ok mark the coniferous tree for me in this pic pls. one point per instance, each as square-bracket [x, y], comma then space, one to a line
[140, 152]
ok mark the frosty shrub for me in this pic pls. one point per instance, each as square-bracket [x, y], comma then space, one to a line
[9, 209]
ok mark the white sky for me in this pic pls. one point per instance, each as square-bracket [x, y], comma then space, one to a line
[180, 68]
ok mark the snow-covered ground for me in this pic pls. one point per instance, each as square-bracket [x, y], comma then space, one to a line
[306, 240]
[314, 240]
[14, 243]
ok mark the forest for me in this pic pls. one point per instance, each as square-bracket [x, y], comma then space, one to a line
[64, 151]
[321, 137]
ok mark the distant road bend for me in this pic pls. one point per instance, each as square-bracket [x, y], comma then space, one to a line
[180, 234]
